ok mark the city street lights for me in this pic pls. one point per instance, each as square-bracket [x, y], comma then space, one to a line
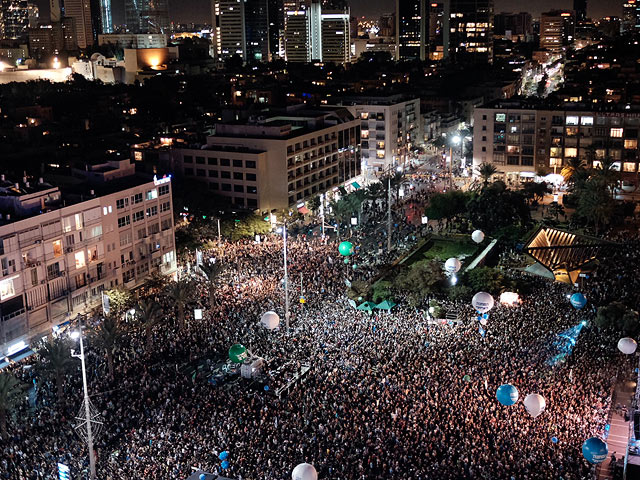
[455, 140]
[89, 419]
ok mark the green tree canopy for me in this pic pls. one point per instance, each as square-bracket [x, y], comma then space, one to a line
[497, 207]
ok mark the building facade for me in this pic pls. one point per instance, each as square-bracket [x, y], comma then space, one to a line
[557, 30]
[630, 16]
[57, 263]
[133, 40]
[522, 140]
[297, 36]
[336, 36]
[411, 29]
[278, 162]
[147, 16]
[14, 19]
[468, 36]
[80, 12]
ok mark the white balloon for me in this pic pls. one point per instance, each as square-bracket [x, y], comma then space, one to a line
[452, 265]
[304, 471]
[534, 404]
[482, 302]
[627, 345]
[483, 321]
[477, 236]
[270, 320]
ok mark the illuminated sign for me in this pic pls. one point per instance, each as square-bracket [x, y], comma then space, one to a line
[64, 473]
[161, 181]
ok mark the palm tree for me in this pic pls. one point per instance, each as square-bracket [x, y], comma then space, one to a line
[606, 174]
[148, 313]
[486, 170]
[594, 204]
[11, 391]
[108, 335]
[212, 271]
[55, 360]
[180, 292]
[572, 169]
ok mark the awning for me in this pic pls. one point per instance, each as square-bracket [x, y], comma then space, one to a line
[303, 210]
[342, 190]
[355, 185]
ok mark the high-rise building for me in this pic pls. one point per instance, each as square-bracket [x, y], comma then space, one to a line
[297, 36]
[468, 37]
[315, 29]
[580, 7]
[276, 28]
[55, 10]
[411, 29]
[630, 16]
[557, 30]
[513, 26]
[50, 39]
[241, 27]
[14, 19]
[34, 15]
[146, 16]
[102, 18]
[435, 29]
[80, 12]
[336, 38]
[256, 27]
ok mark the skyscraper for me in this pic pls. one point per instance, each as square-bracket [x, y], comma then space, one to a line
[630, 16]
[297, 37]
[557, 30]
[102, 18]
[276, 28]
[411, 29]
[80, 12]
[241, 27]
[468, 37]
[146, 16]
[14, 19]
[336, 36]
[580, 7]
[256, 26]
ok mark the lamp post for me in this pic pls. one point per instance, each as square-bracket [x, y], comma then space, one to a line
[455, 140]
[389, 170]
[283, 229]
[77, 334]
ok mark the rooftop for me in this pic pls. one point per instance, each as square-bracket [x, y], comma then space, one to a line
[537, 104]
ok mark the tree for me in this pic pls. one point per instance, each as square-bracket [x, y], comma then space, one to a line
[180, 292]
[212, 271]
[534, 191]
[486, 279]
[156, 281]
[381, 291]
[617, 316]
[245, 226]
[448, 205]
[497, 207]
[120, 299]
[486, 170]
[595, 205]
[422, 278]
[11, 394]
[314, 204]
[55, 360]
[359, 290]
[108, 335]
[148, 312]
[573, 170]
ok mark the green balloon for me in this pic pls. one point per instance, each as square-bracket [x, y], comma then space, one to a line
[345, 249]
[346, 260]
[359, 299]
[238, 353]
[354, 266]
[466, 378]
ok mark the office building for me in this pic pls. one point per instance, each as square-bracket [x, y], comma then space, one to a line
[34, 15]
[389, 128]
[133, 40]
[14, 19]
[411, 29]
[580, 8]
[276, 28]
[468, 38]
[516, 27]
[297, 36]
[256, 27]
[102, 17]
[557, 30]
[279, 161]
[55, 10]
[80, 12]
[60, 249]
[521, 139]
[630, 16]
[146, 16]
[241, 28]
[336, 37]
[51, 39]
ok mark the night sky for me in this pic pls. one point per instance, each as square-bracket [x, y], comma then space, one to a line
[199, 10]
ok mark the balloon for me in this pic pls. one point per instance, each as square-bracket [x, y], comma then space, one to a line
[224, 465]
[595, 450]
[477, 236]
[507, 394]
[359, 299]
[266, 388]
[467, 378]
[578, 300]
[237, 353]
[223, 455]
[483, 321]
[304, 471]
[452, 265]
[554, 439]
[345, 249]
[627, 345]
[354, 266]
[270, 320]
[534, 404]
[202, 476]
[482, 302]
[346, 260]
[509, 298]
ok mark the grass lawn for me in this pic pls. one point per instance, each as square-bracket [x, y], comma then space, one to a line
[442, 249]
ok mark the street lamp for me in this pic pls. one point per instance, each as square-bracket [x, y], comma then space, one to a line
[86, 429]
[455, 140]
[389, 170]
[283, 230]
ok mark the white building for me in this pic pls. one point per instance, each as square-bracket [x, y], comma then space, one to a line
[134, 40]
[60, 249]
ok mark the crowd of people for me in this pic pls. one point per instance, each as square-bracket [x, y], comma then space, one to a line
[389, 394]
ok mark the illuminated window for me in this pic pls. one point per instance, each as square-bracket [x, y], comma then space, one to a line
[570, 152]
[629, 166]
[616, 133]
[380, 145]
[57, 248]
[364, 134]
[364, 115]
[513, 149]
[555, 151]
[586, 120]
[631, 143]
[6, 289]
[80, 260]
[555, 162]
[69, 223]
[572, 120]
[151, 194]
[379, 153]
[571, 131]
[501, 117]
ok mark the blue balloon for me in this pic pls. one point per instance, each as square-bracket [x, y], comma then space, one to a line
[507, 394]
[224, 465]
[266, 388]
[595, 450]
[554, 439]
[223, 455]
[202, 476]
[578, 301]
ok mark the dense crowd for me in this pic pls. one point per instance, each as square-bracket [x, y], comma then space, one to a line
[389, 395]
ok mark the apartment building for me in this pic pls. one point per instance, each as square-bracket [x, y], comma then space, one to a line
[61, 248]
[522, 139]
[279, 160]
[389, 126]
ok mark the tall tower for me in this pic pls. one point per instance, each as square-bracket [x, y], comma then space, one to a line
[580, 7]
[411, 29]
[14, 19]
[336, 36]
[80, 12]
[146, 16]
[468, 30]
